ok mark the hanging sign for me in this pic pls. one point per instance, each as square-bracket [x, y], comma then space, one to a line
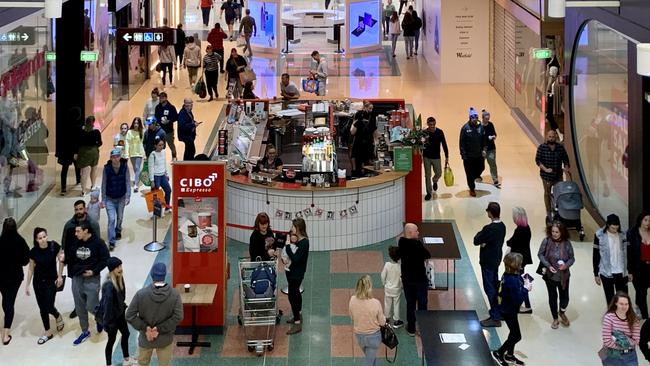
[89, 56]
[21, 36]
[164, 36]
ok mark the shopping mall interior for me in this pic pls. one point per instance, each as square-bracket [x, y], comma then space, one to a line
[535, 65]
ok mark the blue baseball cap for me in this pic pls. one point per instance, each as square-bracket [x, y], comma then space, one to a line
[150, 120]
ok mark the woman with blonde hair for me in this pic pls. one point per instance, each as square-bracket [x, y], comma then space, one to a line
[367, 319]
[520, 243]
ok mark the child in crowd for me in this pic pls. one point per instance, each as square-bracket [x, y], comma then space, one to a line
[93, 207]
[391, 278]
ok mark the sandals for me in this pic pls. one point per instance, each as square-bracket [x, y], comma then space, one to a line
[60, 324]
[42, 339]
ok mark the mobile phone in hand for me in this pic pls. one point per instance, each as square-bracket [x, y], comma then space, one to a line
[528, 277]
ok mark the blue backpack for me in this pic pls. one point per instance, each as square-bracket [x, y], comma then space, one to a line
[263, 281]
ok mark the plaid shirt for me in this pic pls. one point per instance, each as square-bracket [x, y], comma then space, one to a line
[551, 159]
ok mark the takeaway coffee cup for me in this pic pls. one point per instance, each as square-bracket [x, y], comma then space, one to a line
[187, 287]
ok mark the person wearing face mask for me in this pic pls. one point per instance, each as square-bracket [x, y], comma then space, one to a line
[638, 261]
[556, 256]
[552, 160]
[610, 258]
[472, 149]
[490, 147]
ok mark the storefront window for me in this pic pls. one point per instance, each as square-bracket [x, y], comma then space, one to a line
[529, 76]
[27, 112]
[600, 110]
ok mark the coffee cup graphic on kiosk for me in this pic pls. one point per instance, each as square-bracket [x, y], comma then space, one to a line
[193, 185]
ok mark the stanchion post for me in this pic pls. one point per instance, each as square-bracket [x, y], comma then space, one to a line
[155, 245]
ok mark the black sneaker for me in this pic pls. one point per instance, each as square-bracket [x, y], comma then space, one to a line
[499, 358]
[411, 334]
[497, 184]
[427, 197]
[118, 236]
[435, 186]
[489, 323]
[397, 324]
[73, 314]
[513, 360]
[111, 247]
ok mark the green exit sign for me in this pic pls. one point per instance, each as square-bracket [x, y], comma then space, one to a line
[88, 56]
[542, 53]
[50, 56]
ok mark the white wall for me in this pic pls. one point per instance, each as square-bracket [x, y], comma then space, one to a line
[463, 39]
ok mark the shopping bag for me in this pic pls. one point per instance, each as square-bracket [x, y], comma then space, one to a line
[310, 85]
[246, 76]
[158, 67]
[431, 274]
[144, 174]
[449, 176]
[200, 89]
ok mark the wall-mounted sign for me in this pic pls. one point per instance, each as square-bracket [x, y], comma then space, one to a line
[21, 36]
[542, 53]
[146, 36]
[50, 56]
[88, 56]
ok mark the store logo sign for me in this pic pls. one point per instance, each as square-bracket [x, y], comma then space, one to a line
[198, 185]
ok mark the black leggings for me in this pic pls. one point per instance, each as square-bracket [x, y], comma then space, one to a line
[112, 335]
[167, 68]
[554, 289]
[64, 174]
[295, 297]
[45, 292]
[9, 290]
[512, 321]
[211, 80]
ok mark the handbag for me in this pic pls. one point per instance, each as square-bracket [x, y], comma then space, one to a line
[200, 88]
[389, 339]
[247, 75]
[449, 176]
[158, 67]
[541, 269]
[603, 353]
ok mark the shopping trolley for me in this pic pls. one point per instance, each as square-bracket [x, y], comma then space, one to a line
[258, 315]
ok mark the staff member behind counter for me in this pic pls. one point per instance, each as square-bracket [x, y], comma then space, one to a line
[270, 162]
[363, 144]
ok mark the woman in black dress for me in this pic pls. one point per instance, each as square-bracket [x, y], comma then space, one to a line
[298, 259]
[262, 239]
[47, 278]
[520, 243]
[90, 140]
[15, 255]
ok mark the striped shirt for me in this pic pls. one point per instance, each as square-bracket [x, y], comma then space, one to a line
[211, 61]
[611, 323]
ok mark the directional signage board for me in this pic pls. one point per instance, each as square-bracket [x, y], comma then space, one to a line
[21, 36]
[146, 36]
[89, 56]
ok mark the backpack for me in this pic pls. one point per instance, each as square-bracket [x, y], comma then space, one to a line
[262, 282]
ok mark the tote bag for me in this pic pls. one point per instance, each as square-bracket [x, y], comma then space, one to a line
[448, 175]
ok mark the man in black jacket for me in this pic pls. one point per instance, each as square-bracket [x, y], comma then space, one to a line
[490, 239]
[413, 254]
[167, 115]
[116, 194]
[431, 155]
[187, 129]
[490, 147]
[151, 135]
[85, 260]
[472, 149]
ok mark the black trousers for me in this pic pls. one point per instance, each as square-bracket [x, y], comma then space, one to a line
[167, 68]
[613, 285]
[512, 321]
[179, 53]
[205, 12]
[64, 173]
[473, 168]
[402, 3]
[641, 284]
[190, 150]
[554, 289]
[211, 80]
[9, 290]
[222, 61]
[45, 293]
[416, 294]
[295, 297]
[112, 336]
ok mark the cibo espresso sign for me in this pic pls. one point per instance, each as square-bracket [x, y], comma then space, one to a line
[199, 184]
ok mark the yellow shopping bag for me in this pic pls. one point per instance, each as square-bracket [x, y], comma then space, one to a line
[449, 176]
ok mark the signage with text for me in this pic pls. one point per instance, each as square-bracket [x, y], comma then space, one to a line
[146, 36]
[21, 36]
[88, 56]
[50, 56]
[542, 53]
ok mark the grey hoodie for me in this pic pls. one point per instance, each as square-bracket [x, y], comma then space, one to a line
[159, 307]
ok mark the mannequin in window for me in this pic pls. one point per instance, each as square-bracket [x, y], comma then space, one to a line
[552, 89]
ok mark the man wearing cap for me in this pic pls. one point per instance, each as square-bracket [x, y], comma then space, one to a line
[151, 135]
[490, 147]
[472, 148]
[490, 239]
[155, 311]
[85, 259]
[150, 105]
[166, 115]
[187, 129]
[116, 193]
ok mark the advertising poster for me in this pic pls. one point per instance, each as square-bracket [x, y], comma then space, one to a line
[365, 27]
[265, 15]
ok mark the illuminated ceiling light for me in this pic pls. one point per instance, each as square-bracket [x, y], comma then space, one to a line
[557, 8]
[53, 8]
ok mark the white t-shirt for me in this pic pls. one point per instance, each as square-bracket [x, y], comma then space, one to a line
[391, 277]
[615, 252]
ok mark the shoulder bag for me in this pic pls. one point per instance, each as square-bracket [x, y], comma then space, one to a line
[541, 270]
[389, 339]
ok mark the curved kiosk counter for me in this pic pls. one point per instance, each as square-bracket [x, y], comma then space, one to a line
[340, 213]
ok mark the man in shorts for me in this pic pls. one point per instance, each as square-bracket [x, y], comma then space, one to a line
[230, 9]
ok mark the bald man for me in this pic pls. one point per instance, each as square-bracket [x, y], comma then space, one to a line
[187, 129]
[413, 255]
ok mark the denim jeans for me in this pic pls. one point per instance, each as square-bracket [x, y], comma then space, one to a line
[625, 359]
[491, 158]
[490, 286]
[136, 162]
[393, 40]
[369, 344]
[163, 182]
[115, 212]
[409, 44]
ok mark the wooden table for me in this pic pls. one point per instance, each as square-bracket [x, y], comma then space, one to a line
[199, 295]
[448, 250]
[433, 322]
